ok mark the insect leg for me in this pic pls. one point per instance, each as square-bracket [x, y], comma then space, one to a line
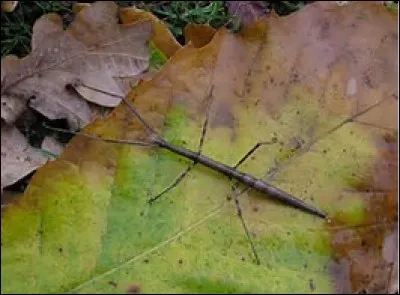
[187, 170]
[173, 184]
[252, 150]
[244, 225]
[248, 154]
[236, 197]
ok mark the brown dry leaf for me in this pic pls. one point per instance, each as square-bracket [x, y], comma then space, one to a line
[8, 6]
[11, 108]
[162, 37]
[8, 197]
[52, 145]
[18, 158]
[390, 253]
[199, 34]
[247, 11]
[77, 7]
[95, 50]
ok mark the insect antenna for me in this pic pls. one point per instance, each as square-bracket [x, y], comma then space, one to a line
[109, 140]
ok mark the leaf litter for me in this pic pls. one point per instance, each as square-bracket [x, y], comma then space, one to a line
[274, 78]
[94, 50]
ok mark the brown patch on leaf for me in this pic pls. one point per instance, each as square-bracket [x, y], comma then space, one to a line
[133, 289]
[364, 248]
[113, 284]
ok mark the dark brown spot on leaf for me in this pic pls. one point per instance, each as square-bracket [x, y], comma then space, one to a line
[368, 80]
[133, 289]
[389, 137]
[311, 284]
[112, 283]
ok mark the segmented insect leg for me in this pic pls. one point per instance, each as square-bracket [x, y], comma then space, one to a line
[173, 184]
[244, 225]
[252, 150]
[248, 154]
[187, 170]
[235, 195]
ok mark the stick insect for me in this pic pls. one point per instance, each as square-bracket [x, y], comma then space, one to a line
[196, 157]
[248, 180]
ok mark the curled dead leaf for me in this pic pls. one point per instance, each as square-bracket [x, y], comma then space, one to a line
[199, 34]
[52, 146]
[11, 108]
[18, 158]
[162, 37]
[8, 6]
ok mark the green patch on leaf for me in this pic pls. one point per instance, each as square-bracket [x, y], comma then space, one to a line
[205, 285]
[175, 122]
[157, 58]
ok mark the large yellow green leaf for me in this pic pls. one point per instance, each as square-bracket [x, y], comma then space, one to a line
[84, 224]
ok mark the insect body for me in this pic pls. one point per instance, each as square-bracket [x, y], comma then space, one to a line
[244, 178]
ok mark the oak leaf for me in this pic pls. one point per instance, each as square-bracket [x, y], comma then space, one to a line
[95, 50]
